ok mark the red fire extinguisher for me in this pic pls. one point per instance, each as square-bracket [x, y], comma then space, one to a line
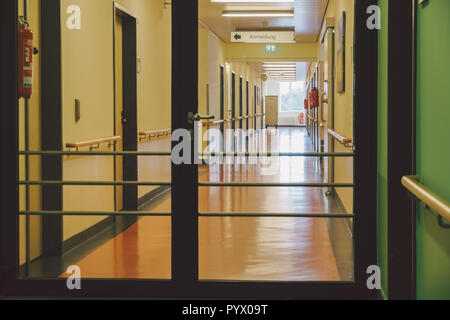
[306, 104]
[26, 51]
[315, 98]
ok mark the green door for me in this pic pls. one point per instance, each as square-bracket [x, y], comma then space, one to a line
[433, 145]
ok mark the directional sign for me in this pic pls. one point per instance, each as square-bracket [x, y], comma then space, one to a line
[263, 37]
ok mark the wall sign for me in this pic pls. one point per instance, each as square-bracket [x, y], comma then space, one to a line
[263, 37]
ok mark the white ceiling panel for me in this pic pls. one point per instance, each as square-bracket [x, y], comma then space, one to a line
[306, 22]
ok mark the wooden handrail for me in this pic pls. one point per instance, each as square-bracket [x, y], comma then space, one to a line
[213, 123]
[348, 142]
[428, 197]
[154, 134]
[93, 144]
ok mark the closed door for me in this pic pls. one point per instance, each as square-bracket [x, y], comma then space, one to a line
[433, 146]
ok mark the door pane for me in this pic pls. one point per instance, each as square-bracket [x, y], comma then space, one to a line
[111, 216]
[277, 218]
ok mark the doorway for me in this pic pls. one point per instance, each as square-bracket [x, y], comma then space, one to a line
[125, 115]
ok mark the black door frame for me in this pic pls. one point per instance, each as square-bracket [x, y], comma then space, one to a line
[247, 101]
[241, 100]
[129, 112]
[185, 191]
[233, 99]
[129, 104]
[401, 148]
[222, 97]
[254, 106]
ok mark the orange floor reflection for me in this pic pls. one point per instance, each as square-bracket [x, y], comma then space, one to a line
[283, 249]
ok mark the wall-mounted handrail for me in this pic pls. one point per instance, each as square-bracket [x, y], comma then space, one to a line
[93, 144]
[218, 122]
[213, 123]
[348, 142]
[143, 135]
[429, 198]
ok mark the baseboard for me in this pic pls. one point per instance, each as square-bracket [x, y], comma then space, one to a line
[341, 237]
[151, 196]
[85, 235]
[121, 224]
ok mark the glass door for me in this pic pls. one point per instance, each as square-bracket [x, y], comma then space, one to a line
[188, 226]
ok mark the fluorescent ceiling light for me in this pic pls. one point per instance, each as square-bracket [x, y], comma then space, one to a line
[249, 1]
[283, 72]
[279, 65]
[258, 13]
[280, 70]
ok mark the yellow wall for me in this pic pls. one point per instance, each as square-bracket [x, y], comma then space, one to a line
[343, 101]
[203, 70]
[87, 57]
[213, 53]
[34, 144]
[216, 58]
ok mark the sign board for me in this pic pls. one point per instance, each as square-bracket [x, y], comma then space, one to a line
[263, 37]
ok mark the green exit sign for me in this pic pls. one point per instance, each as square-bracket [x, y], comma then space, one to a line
[271, 48]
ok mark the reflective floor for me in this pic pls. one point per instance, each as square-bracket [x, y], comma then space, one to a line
[252, 248]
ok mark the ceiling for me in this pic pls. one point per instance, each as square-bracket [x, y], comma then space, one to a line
[307, 21]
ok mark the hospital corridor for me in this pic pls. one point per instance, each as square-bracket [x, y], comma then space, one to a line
[213, 149]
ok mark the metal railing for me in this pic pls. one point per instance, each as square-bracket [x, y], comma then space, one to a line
[429, 198]
[151, 134]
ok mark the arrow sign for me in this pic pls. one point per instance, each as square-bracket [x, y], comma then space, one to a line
[263, 37]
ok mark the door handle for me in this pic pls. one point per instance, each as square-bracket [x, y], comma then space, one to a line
[124, 117]
[196, 117]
